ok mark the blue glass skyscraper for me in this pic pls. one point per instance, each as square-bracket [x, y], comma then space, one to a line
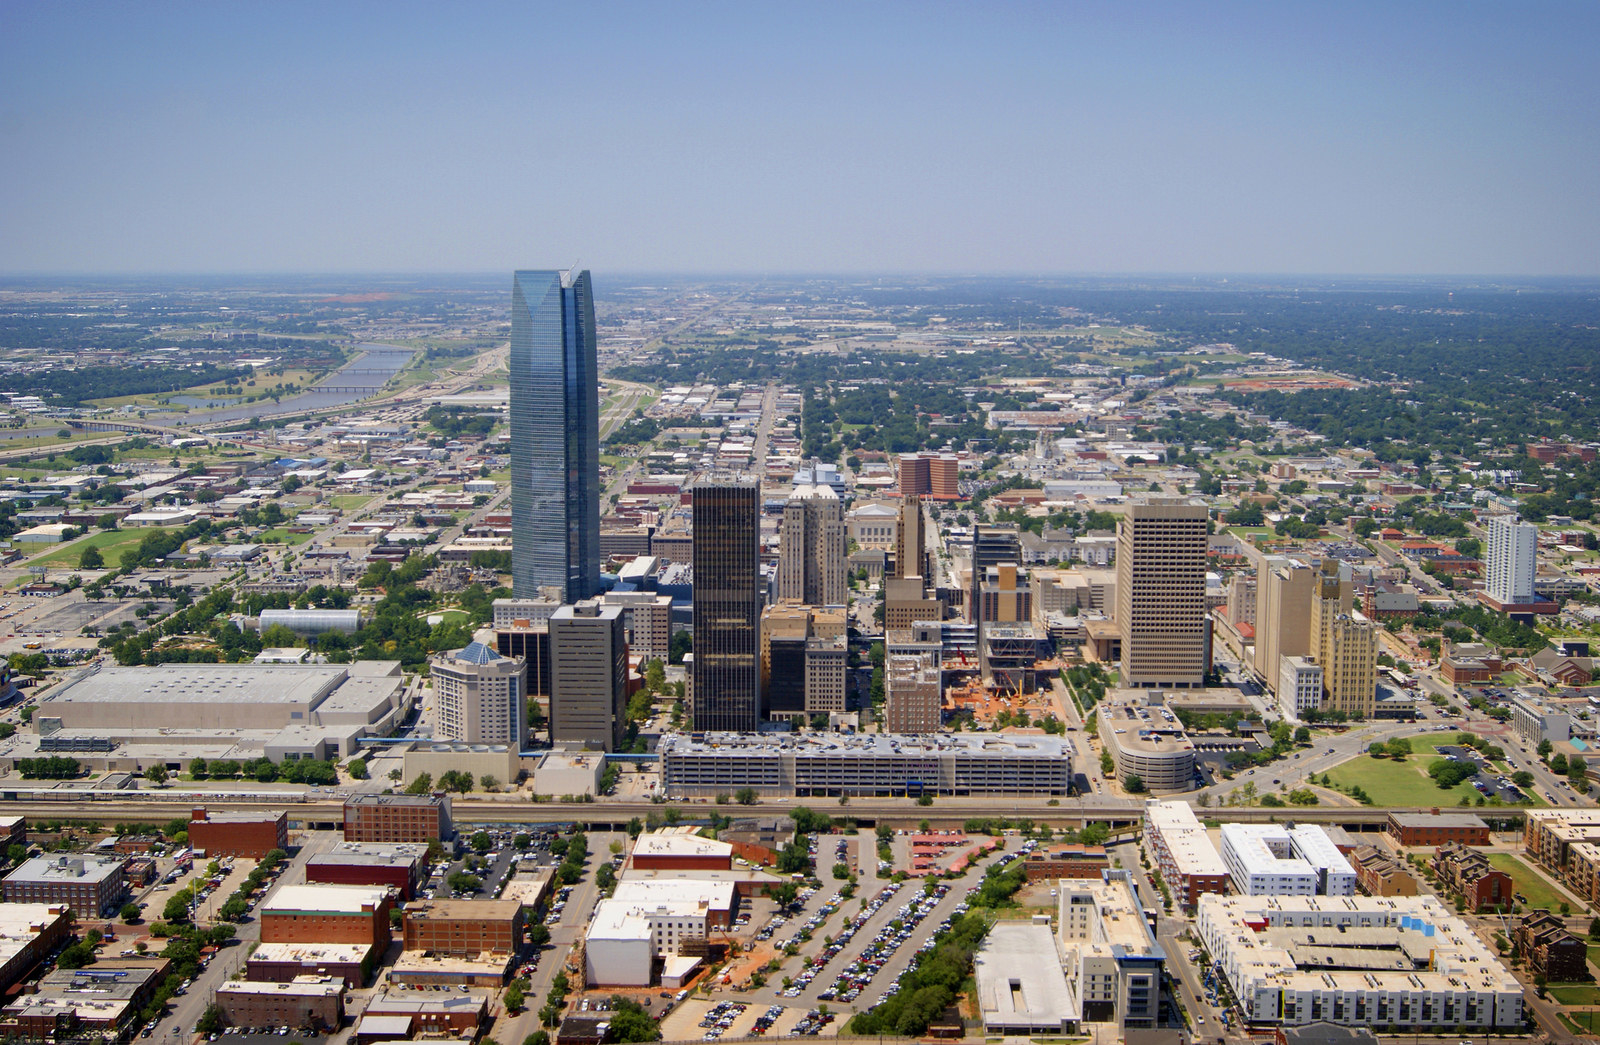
[555, 436]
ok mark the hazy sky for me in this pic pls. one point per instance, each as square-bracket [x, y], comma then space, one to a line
[759, 136]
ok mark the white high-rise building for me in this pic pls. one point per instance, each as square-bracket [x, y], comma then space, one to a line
[1510, 560]
[811, 567]
[482, 697]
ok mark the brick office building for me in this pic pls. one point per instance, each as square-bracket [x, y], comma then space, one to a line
[1438, 828]
[356, 914]
[398, 818]
[13, 831]
[29, 932]
[401, 866]
[91, 885]
[464, 928]
[307, 1002]
[250, 835]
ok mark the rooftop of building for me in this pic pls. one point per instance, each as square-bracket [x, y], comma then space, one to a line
[1319, 849]
[299, 987]
[1122, 921]
[486, 963]
[1143, 728]
[1185, 838]
[1454, 820]
[374, 854]
[1020, 979]
[878, 744]
[397, 800]
[310, 955]
[68, 868]
[463, 910]
[402, 1001]
[715, 894]
[324, 899]
[21, 924]
[213, 816]
[1252, 845]
[679, 843]
[619, 920]
[204, 684]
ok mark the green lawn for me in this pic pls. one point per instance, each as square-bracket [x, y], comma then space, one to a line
[1580, 994]
[1407, 783]
[282, 536]
[347, 501]
[1528, 882]
[111, 543]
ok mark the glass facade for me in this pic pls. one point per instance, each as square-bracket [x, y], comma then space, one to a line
[555, 436]
[727, 607]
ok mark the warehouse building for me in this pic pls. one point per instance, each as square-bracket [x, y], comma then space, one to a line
[1390, 963]
[284, 962]
[465, 928]
[311, 1003]
[91, 885]
[97, 1002]
[401, 866]
[1179, 846]
[626, 941]
[28, 932]
[1439, 828]
[354, 914]
[250, 835]
[882, 764]
[398, 818]
[680, 850]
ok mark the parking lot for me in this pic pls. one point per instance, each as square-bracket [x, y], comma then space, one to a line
[710, 1020]
[1487, 783]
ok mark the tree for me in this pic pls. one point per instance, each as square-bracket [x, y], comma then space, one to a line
[176, 910]
[1544, 748]
[1558, 764]
[1399, 747]
[538, 934]
[482, 842]
[91, 559]
[631, 1023]
[156, 774]
[513, 997]
[1378, 749]
[1134, 784]
[357, 769]
[538, 1037]
[745, 796]
[211, 1020]
[422, 785]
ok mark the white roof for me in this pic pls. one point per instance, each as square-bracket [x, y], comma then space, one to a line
[1185, 838]
[1020, 978]
[1313, 843]
[717, 895]
[334, 899]
[667, 843]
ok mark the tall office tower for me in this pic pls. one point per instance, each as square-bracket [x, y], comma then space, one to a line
[1005, 595]
[726, 681]
[803, 654]
[588, 676]
[991, 546]
[915, 482]
[910, 541]
[555, 436]
[1284, 589]
[906, 601]
[811, 548]
[912, 694]
[943, 471]
[482, 697]
[1161, 594]
[1511, 560]
[1346, 648]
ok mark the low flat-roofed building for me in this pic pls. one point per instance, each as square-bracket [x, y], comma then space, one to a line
[464, 928]
[282, 962]
[1071, 860]
[490, 970]
[400, 866]
[680, 850]
[624, 940]
[746, 881]
[720, 897]
[1179, 846]
[398, 818]
[92, 885]
[432, 1014]
[1022, 988]
[309, 1003]
[250, 835]
[28, 932]
[878, 764]
[1438, 828]
[99, 1000]
[357, 914]
[1390, 963]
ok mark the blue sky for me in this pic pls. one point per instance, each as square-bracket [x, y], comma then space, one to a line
[1360, 138]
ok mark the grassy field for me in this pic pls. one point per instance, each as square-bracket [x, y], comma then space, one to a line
[1528, 882]
[282, 536]
[349, 501]
[1407, 783]
[1585, 994]
[112, 543]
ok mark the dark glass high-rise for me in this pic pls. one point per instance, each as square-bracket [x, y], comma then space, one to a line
[727, 607]
[555, 436]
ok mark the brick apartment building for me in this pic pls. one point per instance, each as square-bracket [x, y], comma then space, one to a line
[1438, 829]
[1550, 950]
[13, 831]
[91, 885]
[30, 931]
[398, 818]
[249, 835]
[357, 914]
[464, 928]
[1379, 875]
[1469, 873]
[401, 866]
[1067, 861]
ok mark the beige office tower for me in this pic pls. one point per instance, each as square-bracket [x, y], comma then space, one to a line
[910, 541]
[1284, 590]
[1005, 595]
[811, 561]
[905, 602]
[1346, 648]
[912, 698]
[1161, 594]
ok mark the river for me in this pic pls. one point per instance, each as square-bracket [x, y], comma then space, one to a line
[363, 376]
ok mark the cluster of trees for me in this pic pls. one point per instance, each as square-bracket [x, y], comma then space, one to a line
[573, 850]
[453, 422]
[49, 767]
[318, 772]
[930, 986]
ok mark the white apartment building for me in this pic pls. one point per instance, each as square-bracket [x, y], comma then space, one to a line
[1262, 862]
[1511, 555]
[1335, 876]
[1299, 686]
[481, 697]
[624, 939]
[1392, 963]
[1112, 962]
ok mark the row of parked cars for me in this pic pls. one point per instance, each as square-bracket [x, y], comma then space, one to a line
[876, 955]
[831, 951]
